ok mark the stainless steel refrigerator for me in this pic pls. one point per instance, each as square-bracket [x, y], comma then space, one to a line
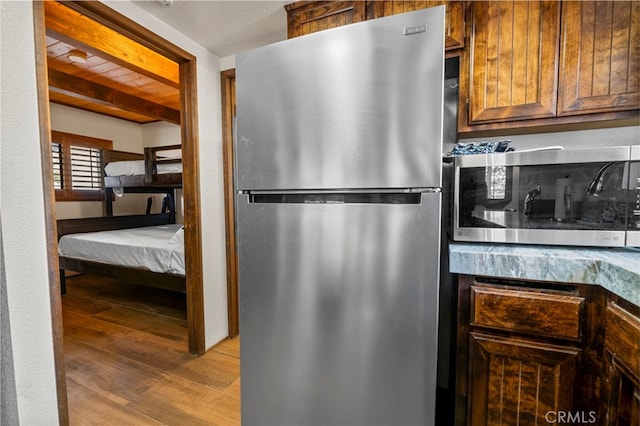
[338, 173]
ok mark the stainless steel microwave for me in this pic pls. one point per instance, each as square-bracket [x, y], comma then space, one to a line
[581, 197]
[633, 217]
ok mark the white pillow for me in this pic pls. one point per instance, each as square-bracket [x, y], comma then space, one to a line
[178, 237]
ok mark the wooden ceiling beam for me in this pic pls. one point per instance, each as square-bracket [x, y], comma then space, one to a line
[77, 87]
[82, 32]
[62, 99]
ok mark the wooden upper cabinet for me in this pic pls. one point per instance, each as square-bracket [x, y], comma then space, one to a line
[454, 20]
[306, 17]
[600, 57]
[512, 60]
[540, 63]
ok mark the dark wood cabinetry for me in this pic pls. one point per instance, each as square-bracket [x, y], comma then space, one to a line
[531, 352]
[526, 351]
[517, 381]
[541, 63]
[305, 17]
[622, 364]
[510, 69]
[454, 20]
[600, 57]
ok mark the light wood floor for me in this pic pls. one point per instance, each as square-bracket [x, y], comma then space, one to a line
[127, 360]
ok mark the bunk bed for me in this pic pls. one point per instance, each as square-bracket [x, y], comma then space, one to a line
[126, 172]
[165, 247]
[126, 169]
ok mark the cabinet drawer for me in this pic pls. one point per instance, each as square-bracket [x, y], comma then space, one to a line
[544, 314]
[622, 337]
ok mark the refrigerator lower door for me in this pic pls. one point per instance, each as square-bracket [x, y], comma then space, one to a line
[338, 311]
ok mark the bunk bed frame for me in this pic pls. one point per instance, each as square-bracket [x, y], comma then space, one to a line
[149, 183]
[151, 178]
[137, 276]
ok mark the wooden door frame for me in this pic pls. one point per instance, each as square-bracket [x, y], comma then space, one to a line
[227, 85]
[44, 119]
[191, 180]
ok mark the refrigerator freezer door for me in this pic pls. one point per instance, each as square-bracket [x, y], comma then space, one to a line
[358, 106]
[338, 312]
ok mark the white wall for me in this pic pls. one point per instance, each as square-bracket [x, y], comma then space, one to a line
[126, 135]
[160, 133]
[23, 220]
[228, 62]
[211, 168]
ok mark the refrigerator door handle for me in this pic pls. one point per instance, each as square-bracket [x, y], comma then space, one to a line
[351, 197]
[344, 191]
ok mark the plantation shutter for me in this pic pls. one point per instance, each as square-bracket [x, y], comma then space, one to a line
[56, 155]
[77, 166]
[85, 168]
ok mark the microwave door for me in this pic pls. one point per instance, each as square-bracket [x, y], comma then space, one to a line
[633, 208]
[571, 197]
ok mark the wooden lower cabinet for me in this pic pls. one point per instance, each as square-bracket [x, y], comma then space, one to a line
[528, 352]
[622, 365]
[622, 395]
[514, 381]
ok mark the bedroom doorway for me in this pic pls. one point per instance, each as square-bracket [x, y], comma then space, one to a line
[189, 140]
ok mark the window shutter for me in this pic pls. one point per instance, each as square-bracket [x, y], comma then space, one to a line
[56, 155]
[77, 166]
[85, 168]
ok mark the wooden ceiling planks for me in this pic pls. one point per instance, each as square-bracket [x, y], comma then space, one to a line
[120, 77]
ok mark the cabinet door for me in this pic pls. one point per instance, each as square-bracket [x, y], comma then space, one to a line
[518, 381]
[454, 21]
[622, 395]
[309, 17]
[600, 57]
[622, 366]
[513, 60]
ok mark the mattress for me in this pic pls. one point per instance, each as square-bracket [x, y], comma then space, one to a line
[136, 167]
[156, 248]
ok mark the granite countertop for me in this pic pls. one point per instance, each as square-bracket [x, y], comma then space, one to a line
[615, 269]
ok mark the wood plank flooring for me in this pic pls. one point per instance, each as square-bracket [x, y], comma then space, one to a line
[127, 359]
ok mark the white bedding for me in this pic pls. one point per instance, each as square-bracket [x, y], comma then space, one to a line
[136, 167]
[151, 247]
